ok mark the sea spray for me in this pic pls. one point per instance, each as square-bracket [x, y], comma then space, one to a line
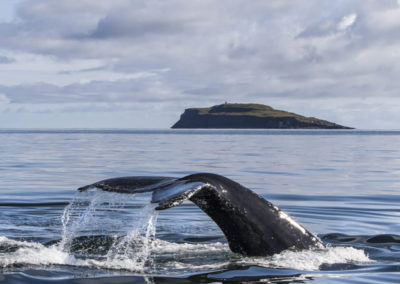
[133, 251]
[91, 212]
[73, 218]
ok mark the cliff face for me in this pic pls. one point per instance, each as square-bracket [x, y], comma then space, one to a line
[249, 116]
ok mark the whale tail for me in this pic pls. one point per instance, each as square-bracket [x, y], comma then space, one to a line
[252, 225]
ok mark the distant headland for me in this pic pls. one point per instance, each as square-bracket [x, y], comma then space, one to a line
[249, 116]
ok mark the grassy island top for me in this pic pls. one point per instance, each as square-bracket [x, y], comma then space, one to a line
[257, 110]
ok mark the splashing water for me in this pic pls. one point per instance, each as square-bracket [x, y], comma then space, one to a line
[91, 213]
[122, 233]
[94, 214]
[84, 214]
[133, 251]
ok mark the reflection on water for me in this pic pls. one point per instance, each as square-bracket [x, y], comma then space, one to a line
[343, 186]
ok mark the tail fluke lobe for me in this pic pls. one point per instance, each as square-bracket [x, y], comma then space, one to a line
[135, 184]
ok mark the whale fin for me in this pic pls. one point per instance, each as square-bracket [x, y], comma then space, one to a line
[135, 184]
[175, 193]
[251, 224]
[167, 192]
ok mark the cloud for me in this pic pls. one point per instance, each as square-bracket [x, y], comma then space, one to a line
[6, 60]
[126, 24]
[188, 53]
[347, 21]
[119, 91]
[4, 100]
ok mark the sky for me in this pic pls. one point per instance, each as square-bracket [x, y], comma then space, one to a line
[139, 64]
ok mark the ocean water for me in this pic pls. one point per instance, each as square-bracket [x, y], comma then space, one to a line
[343, 186]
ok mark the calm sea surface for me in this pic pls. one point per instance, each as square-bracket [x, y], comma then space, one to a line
[343, 186]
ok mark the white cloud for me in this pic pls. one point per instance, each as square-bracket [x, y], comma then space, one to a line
[384, 21]
[347, 21]
[33, 68]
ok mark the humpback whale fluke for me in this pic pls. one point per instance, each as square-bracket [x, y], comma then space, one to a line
[252, 225]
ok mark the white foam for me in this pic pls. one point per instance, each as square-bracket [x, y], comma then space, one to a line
[164, 247]
[9, 242]
[176, 257]
[310, 259]
[190, 267]
[35, 254]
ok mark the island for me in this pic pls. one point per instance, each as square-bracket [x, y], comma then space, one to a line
[244, 116]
